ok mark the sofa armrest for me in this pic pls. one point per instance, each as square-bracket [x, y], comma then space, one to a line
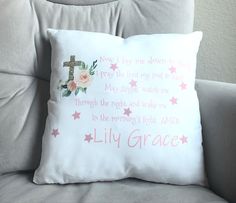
[218, 117]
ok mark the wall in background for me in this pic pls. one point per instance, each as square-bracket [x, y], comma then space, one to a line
[217, 55]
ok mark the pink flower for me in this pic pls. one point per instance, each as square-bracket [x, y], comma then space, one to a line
[71, 85]
[84, 79]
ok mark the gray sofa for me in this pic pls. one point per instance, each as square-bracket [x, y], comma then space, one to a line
[24, 91]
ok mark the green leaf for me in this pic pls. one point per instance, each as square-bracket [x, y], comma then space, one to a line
[82, 65]
[91, 72]
[83, 89]
[77, 91]
[66, 93]
[95, 62]
[92, 68]
[64, 86]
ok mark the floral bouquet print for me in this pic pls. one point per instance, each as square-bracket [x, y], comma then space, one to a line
[79, 82]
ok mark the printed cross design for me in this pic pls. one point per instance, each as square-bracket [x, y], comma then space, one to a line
[71, 64]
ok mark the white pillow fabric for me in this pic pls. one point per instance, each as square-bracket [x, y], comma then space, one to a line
[122, 108]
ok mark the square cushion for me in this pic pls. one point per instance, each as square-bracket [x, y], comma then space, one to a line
[25, 58]
[122, 108]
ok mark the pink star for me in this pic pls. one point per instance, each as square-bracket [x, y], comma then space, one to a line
[55, 132]
[183, 86]
[173, 100]
[172, 69]
[76, 115]
[113, 66]
[184, 139]
[127, 111]
[88, 137]
[133, 83]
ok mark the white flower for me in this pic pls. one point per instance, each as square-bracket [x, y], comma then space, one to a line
[84, 79]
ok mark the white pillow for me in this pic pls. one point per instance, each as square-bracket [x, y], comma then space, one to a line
[122, 108]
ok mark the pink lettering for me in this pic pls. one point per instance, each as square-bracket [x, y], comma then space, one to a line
[117, 139]
[145, 139]
[134, 140]
[166, 140]
[157, 140]
[95, 137]
[175, 141]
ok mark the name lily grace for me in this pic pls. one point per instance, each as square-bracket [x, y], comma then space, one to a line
[136, 139]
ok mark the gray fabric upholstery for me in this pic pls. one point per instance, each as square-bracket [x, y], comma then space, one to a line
[25, 58]
[23, 107]
[218, 113]
[81, 2]
[24, 74]
[19, 188]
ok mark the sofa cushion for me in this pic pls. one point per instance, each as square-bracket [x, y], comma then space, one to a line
[218, 111]
[18, 187]
[22, 114]
[25, 58]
